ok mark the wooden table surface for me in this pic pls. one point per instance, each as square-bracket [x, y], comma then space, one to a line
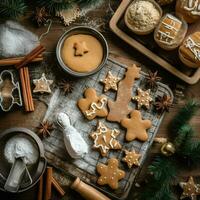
[99, 18]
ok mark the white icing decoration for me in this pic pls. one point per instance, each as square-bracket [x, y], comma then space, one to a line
[95, 106]
[74, 143]
[102, 129]
[193, 6]
[194, 47]
[166, 37]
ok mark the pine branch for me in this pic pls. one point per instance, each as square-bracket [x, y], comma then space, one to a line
[159, 185]
[53, 6]
[184, 116]
[83, 3]
[12, 8]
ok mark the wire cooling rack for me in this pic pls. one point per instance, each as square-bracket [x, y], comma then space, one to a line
[86, 168]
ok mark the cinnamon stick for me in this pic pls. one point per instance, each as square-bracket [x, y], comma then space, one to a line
[40, 189]
[28, 89]
[57, 187]
[25, 79]
[49, 173]
[17, 60]
[24, 92]
[29, 57]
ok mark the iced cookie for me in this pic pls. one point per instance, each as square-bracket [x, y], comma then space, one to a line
[189, 51]
[143, 98]
[131, 158]
[136, 127]
[110, 174]
[119, 109]
[170, 32]
[188, 9]
[93, 105]
[110, 82]
[105, 139]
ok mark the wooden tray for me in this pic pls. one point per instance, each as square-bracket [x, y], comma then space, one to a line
[169, 60]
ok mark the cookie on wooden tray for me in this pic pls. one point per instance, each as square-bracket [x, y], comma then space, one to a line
[143, 98]
[189, 10]
[110, 174]
[189, 51]
[110, 82]
[93, 105]
[136, 126]
[131, 158]
[105, 139]
[120, 108]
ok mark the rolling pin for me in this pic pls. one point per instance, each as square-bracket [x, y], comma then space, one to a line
[86, 191]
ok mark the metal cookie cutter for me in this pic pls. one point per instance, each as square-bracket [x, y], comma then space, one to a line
[10, 92]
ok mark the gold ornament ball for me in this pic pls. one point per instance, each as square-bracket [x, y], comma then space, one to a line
[168, 149]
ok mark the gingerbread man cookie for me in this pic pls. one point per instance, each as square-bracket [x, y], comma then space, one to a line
[80, 48]
[110, 82]
[92, 105]
[143, 98]
[131, 158]
[136, 127]
[119, 109]
[105, 139]
[110, 174]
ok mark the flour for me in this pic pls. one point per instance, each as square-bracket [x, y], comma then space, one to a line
[21, 147]
[74, 143]
[15, 40]
[143, 15]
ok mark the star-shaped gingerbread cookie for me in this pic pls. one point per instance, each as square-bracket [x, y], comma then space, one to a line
[80, 48]
[110, 173]
[131, 158]
[143, 98]
[105, 139]
[190, 189]
[136, 127]
[42, 85]
[110, 82]
[92, 105]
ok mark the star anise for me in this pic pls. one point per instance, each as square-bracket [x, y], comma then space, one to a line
[41, 16]
[152, 79]
[66, 86]
[45, 128]
[163, 103]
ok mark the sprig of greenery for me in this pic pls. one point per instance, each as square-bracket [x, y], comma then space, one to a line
[184, 116]
[12, 9]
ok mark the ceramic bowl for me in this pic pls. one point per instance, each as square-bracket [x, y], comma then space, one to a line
[81, 30]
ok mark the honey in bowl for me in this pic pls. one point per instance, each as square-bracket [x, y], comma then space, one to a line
[82, 53]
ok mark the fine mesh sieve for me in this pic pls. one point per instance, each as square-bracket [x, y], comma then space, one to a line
[35, 170]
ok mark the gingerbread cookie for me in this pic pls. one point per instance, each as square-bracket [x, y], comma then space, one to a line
[110, 82]
[131, 158]
[136, 127]
[119, 109]
[92, 105]
[80, 48]
[143, 98]
[105, 139]
[110, 174]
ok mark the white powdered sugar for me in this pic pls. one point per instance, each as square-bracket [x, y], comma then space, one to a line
[143, 15]
[74, 143]
[21, 147]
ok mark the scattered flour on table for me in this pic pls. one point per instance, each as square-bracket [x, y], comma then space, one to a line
[19, 146]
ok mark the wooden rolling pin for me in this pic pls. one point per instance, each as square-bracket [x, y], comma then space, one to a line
[86, 191]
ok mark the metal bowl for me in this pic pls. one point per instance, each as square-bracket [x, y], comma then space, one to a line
[36, 170]
[81, 30]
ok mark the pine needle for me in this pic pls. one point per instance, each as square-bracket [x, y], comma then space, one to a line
[12, 9]
[184, 116]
